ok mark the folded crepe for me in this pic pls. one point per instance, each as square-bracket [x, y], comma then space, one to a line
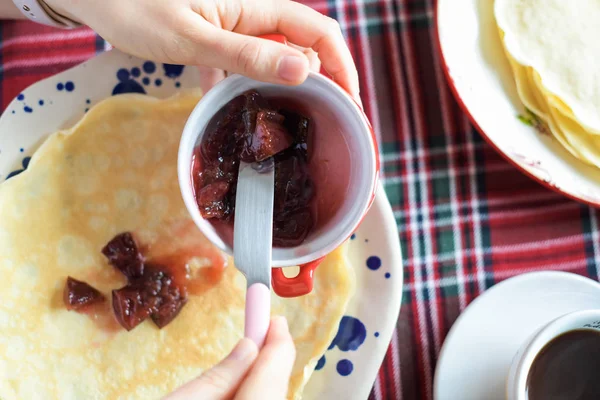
[114, 172]
[552, 47]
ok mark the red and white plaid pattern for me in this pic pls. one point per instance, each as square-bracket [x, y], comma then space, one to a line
[466, 218]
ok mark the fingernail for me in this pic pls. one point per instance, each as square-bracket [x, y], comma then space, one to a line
[292, 68]
[244, 349]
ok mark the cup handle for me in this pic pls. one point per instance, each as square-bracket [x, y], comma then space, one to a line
[302, 283]
[299, 285]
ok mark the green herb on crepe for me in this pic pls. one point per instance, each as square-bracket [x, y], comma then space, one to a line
[529, 118]
[534, 121]
[525, 119]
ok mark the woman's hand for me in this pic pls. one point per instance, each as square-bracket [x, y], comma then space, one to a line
[221, 34]
[246, 374]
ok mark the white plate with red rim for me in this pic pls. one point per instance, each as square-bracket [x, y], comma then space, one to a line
[481, 79]
[349, 368]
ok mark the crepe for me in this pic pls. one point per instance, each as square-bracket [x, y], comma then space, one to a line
[115, 171]
[552, 49]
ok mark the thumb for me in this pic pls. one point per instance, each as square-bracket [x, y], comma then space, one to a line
[256, 58]
[221, 381]
[270, 376]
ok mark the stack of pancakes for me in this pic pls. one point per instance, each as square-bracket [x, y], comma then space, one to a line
[554, 51]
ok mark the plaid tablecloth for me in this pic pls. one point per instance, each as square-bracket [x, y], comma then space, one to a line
[466, 218]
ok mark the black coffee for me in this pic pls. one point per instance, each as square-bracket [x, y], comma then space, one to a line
[567, 368]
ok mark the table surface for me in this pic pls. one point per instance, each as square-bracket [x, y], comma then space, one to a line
[466, 218]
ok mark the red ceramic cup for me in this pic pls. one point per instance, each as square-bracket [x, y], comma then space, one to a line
[343, 163]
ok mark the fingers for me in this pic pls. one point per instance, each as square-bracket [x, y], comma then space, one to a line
[307, 28]
[301, 25]
[270, 375]
[209, 77]
[221, 381]
[257, 58]
[313, 58]
[314, 63]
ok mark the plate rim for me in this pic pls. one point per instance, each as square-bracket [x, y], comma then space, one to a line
[395, 251]
[506, 156]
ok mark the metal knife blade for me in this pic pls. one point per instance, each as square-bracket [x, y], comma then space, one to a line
[253, 225]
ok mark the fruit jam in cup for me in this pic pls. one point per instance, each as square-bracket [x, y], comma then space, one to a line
[342, 163]
[252, 129]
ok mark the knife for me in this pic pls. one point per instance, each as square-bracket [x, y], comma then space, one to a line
[252, 243]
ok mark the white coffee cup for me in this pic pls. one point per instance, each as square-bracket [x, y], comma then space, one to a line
[516, 384]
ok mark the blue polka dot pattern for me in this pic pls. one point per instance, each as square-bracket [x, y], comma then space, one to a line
[122, 74]
[344, 367]
[149, 67]
[24, 163]
[126, 84]
[350, 336]
[173, 70]
[373, 263]
[320, 363]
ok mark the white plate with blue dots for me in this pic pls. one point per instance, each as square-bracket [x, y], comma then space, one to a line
[349, 367]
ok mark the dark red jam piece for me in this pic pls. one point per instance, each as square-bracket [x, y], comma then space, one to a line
[123, 254]
[78, 295]
[155, 294]
[129, 308]
[297, 125]
[269, 138]
[292, 228]
[250, 129]
[167, 311]
[212, 199]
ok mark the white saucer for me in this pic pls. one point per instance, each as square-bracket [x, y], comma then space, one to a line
[478, 350]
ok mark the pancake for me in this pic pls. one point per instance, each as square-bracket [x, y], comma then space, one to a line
[114, 172]
[534, 98]
[558, 39]
[551, 47]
